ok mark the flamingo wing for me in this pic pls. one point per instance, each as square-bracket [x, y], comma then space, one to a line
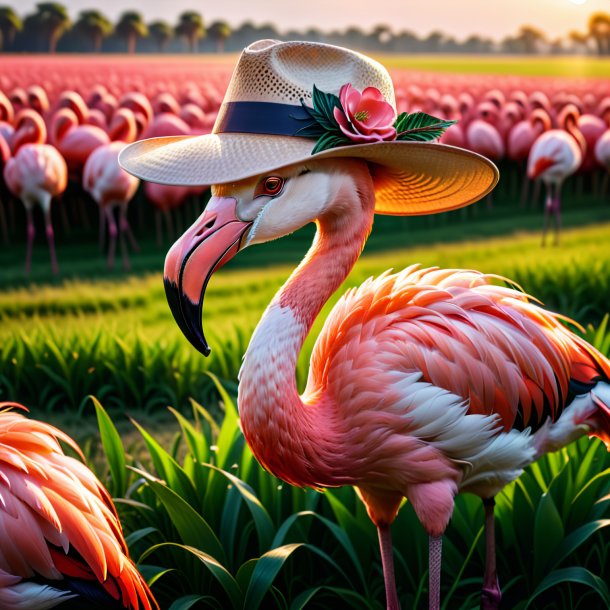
[60, 527]
[489, 345]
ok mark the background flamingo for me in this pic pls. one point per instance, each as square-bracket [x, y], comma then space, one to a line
[554, 156]
[112, 187]
[36, 173]
[422, 384]
[61, 536]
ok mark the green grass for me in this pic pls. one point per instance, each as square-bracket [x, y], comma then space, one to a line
[564, 67]
[117, 339]
[209, 525]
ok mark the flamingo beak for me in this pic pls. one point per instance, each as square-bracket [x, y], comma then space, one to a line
[213, 239]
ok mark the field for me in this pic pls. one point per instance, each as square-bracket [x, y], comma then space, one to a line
[96, 352]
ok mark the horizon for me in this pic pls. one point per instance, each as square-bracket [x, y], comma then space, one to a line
[556, 18]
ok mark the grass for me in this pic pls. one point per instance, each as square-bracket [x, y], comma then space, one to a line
[117, 339]
[510, 65]
[211, 527]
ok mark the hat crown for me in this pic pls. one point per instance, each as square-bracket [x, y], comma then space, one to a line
[285, 72]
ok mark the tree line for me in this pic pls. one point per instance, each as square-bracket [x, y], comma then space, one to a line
[50, 29]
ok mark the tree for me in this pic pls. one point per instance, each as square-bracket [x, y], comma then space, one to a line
[93, 25]
[599, 31]
[530, 38]
[53, 21]
[10, 24]
[190, 26]
[580, 41]
[219, 31]
[161, 32]
[131, 26]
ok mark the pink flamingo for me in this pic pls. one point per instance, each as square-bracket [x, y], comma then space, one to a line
[422, 384]
[6, 117]
[165, 198]
[554, 156]
[75, 142]
[112, 187]
[61, 536]
[5, 153]
[521, 139]
[35, 173]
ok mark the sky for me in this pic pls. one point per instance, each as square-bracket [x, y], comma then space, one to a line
[459, 18]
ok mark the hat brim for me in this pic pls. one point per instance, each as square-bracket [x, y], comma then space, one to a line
[411, 178]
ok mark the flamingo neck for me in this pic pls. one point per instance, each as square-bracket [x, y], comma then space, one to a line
[286, 431]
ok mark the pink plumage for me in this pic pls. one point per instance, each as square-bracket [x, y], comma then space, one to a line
[422, 384]
[57, 522]
[112, 187]
[35, 173]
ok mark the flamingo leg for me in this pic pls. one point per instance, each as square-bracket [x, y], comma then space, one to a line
[102, 233]
[127, 228]
[548, 211]
[3, 225]
[158, 228]
[51, 240]
[491, 594]
[557, 214]
[31, 233]
[169, 221]
[112, 233]
[123, 230]
[435, 551]
[387, 562]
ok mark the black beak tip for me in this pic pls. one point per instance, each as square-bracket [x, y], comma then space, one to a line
[187, 316]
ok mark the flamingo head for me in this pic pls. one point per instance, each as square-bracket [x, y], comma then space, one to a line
[63, 121]
[254, 211]
[38, 99]
[29, 129]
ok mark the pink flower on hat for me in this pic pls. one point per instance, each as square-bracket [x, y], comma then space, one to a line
[366, 116]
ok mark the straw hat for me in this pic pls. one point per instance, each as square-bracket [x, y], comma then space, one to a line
[267, 121]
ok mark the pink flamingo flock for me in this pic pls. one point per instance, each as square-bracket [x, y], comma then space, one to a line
[501, 119]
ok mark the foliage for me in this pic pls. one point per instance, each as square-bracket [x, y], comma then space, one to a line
[209, 524]
[117, 340]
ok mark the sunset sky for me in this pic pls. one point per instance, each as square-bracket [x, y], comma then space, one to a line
[495, 18]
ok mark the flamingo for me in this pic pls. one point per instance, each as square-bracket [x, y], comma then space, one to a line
[75, 142]
[61, 536]
[6, 117]
[422, 384]
[110, 186]
[554, 156]
[35, 173]
[520, 140]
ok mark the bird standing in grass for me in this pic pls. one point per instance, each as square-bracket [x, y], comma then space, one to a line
[554, 156]
[36, 173]
[62, 544]
[423, 383]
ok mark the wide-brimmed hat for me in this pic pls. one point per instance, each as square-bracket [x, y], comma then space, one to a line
[288, 102]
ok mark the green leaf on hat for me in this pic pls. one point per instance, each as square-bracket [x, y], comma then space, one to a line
[420, 127]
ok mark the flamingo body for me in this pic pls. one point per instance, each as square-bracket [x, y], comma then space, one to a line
[422, 384]
[554, 156]
[482, 137]
[61, 537]
[36, 173]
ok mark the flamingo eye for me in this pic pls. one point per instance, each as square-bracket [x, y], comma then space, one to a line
[270, 186]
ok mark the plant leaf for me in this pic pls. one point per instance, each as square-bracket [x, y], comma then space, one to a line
[420, 127]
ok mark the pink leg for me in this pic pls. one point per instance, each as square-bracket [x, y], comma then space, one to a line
[491, 593]
[31, 233]
[102, 233]
[435, 550]
[126, 228]
[158, 228]
[387, 562]
[170, 225]
[112, 233]
[51, 241]
[123, 229]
